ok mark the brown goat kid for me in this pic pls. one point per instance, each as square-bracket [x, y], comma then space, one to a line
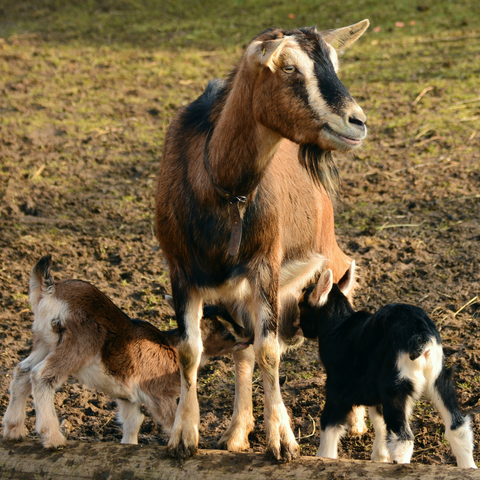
[78, 331]
[242, 210]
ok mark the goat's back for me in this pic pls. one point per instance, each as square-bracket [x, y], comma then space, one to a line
[366, 349]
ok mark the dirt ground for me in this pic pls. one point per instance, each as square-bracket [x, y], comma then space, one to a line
[87, 198]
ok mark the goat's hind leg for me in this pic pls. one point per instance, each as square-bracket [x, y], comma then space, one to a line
[397, 409]
[183, 441]
[458, 430]
[20, 389]
[47, 376]
[235, 438]
[379, 451]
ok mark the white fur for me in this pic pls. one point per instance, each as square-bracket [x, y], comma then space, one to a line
[95, 376]
[235, 437]
[130, 416]
[187, 418]
[295, 275]
[329, 439]
[333, 57]
[44, 399]
[47, 309]
[461, 439]
[400, 450]
[380, 451]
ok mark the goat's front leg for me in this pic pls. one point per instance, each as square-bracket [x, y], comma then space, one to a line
[183, 441]
[396, 412]
[131, 418]
[333, 424]
[235, 437]
[281, 443]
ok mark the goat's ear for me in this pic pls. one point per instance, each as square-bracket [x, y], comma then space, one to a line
[320, 293]
[226, 325]
[169, 300]
[265, 54]
[344, 37]
[347, 282]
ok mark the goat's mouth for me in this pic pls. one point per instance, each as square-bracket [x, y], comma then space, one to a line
[243, 345]
[343, 142]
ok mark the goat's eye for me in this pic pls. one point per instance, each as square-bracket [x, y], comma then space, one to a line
[289, 69]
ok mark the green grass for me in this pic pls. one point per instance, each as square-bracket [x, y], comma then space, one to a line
[89, 88]
[207, 24]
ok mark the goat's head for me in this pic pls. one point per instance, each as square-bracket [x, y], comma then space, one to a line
[221, 334]
[325, 301]
[299, 69]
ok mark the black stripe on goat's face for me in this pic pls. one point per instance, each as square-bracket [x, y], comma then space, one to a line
[308, 92]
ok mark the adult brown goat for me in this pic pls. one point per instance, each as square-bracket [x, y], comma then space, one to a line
[251, 158]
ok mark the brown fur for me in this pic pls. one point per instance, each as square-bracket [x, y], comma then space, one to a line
[79, 331]
[257, 120]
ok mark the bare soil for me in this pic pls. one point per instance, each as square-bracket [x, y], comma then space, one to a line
[414, 230]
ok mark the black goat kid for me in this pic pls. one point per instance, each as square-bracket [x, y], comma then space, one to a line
[385, 361]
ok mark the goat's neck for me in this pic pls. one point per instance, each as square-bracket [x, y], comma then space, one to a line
[240, 148]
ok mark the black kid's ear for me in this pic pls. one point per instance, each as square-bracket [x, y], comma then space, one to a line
[347, 282]
[320, 293]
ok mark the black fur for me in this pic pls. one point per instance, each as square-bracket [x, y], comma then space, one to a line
[360, 353]
[42, 268]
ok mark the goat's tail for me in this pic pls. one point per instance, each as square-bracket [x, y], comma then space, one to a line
[41, 281]
[417, 344]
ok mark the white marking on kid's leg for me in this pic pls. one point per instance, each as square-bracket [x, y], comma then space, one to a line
[461, 439]
[400, 450]
[20, 389]
[46, 418]
[131, 418]
[329, 439]
[380, 450]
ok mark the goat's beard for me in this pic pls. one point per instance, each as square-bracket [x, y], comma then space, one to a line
[321, 168]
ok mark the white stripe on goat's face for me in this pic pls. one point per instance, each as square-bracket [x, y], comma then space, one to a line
[301, 73]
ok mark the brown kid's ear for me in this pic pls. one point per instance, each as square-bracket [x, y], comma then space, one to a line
[226, 325]
[320, 293]
[344, 37]
[347, 282]
[265, 54]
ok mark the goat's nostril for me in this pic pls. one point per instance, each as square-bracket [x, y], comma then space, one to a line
[356, 121]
